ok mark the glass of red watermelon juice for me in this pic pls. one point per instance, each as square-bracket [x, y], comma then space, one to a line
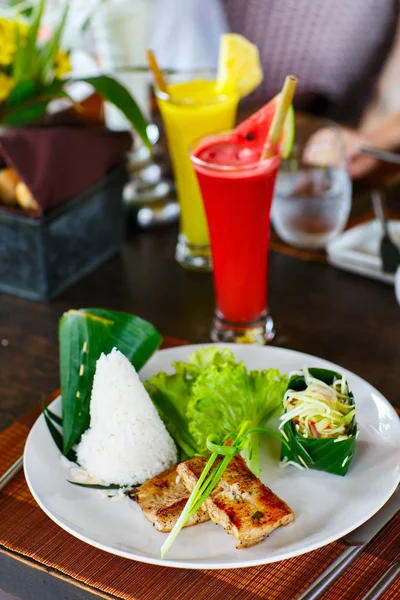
[237, 189]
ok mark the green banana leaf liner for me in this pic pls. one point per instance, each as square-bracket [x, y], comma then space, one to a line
[317, 453]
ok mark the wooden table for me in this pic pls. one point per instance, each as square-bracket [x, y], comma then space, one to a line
[341, 317]
[344, 318]
[338, 316]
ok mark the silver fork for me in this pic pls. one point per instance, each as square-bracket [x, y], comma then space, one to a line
[380, 587]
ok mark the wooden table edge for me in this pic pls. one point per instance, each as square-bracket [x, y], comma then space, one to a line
[31, 562]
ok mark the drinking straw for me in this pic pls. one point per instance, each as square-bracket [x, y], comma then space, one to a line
[284, 102]
[156, 71]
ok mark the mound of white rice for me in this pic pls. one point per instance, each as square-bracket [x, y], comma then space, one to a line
[127, 443]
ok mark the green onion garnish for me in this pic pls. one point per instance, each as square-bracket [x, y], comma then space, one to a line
[209, 478]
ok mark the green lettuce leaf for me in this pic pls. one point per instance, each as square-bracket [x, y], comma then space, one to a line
[209, 356]
[171, 394]
[211, 393]
[225, 396]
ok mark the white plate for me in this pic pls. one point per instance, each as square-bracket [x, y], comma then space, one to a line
[326, 506]
[357, 250]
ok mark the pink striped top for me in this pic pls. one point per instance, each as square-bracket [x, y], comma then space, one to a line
[336, 47]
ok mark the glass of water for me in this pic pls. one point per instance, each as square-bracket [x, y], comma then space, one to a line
[312, 197]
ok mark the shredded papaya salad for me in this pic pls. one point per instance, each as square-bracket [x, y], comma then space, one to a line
[321, 410]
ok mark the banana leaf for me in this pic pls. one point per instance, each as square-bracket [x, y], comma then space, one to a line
[323, 454]
[83, 335]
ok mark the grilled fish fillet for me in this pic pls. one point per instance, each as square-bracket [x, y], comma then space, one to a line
[162, 500]
[240, 502]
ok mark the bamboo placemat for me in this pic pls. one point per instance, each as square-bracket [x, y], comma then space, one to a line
[27, 533]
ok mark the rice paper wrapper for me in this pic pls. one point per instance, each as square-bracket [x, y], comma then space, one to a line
[316, 453]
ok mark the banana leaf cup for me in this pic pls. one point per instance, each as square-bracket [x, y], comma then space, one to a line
[324, 454]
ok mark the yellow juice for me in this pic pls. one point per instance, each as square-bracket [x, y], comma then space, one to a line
[191, 110]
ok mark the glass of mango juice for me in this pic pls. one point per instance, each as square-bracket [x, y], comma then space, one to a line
[192, 108]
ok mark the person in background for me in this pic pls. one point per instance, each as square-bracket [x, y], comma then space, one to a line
[337, 48]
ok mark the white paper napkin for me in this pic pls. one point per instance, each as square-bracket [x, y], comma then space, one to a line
[357, 250]
[397, 284]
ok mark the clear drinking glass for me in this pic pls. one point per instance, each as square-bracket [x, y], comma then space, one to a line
[190, 110]
[312, 197]
[121, 35]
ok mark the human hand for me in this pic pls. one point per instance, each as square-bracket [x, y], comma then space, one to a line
[359, 165]
[321, 149]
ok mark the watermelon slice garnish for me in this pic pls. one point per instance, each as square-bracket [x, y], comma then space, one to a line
[255, 129]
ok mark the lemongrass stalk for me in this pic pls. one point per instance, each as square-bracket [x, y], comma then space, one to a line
[284, 102]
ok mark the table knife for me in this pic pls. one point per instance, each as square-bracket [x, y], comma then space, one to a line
[12, 471]
[357, 541]
[390, 254]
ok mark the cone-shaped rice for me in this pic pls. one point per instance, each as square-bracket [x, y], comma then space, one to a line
[126, 443]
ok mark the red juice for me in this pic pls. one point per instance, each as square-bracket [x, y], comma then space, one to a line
[237, 190]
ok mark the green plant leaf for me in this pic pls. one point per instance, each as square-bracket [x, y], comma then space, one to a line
[26, 11]
[136, 338]
[98, 486]
[84, 334]
[49, 51]
[55, 433]
[31, 108]
[26, 54]
[77, 365]
[54, 417]
[30, 49]
[111, 90]
[26, 113]
[35, 21]
[25, 89]
[19, 64]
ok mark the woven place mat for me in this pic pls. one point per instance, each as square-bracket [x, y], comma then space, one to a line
[27, 533]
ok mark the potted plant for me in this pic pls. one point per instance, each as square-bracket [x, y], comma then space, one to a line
[33, 74]
[58, 185]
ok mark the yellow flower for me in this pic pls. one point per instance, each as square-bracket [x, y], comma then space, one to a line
[6, 84]
[62, 64]
[7, 41]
